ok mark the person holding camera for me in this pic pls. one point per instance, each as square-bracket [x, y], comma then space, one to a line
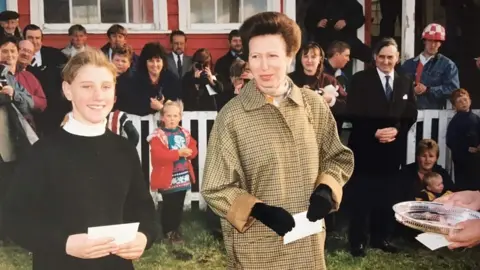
[201, 88]
[16, 134]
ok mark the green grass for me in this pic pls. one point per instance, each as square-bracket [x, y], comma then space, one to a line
[207, 253]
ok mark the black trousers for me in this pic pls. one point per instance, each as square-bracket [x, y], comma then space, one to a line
[6, 171]
[390, 10]
[172, 211]
[371, 208]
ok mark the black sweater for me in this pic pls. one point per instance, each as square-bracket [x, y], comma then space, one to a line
[69, 183]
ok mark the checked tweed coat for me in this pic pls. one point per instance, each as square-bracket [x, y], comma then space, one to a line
[260, 152]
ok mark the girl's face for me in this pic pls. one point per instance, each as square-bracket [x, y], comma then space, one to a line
[310, 61]
[154, 66]
[92, 94]
[171, 116]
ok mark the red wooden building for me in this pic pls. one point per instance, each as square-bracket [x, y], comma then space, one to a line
[206, 22]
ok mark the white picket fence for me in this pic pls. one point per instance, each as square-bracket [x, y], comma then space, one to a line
[425, 118]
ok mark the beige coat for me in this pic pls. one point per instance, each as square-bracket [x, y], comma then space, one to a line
[260, 152]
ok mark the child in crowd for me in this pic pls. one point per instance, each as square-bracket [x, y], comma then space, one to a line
[79, 177]
[463, 139]
[172, 149]
[434, 188]
[122, 58]
[239, 74]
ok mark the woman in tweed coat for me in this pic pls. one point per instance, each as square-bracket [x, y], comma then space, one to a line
[273, 152]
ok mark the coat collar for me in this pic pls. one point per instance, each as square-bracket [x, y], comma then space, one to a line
[253, 99]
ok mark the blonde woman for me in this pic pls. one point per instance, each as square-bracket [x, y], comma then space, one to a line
[81, 176]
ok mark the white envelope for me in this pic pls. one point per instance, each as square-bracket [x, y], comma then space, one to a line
[405, 97]
[432, 241]
[123, 233]
[303, 228]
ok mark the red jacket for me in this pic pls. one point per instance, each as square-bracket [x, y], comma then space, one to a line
[162, 158]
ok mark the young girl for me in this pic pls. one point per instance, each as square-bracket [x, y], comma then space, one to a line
[79, 177]
[172, 149]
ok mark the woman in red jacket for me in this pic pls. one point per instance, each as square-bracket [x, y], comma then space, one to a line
[172, 149]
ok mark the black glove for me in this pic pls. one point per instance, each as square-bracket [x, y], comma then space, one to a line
[276, 218]
[321, 203]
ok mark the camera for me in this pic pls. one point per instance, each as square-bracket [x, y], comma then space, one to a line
[200, 66]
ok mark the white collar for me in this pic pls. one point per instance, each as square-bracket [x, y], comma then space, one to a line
[424, 59]
[383, 74]
[176, 56]
[76, 127]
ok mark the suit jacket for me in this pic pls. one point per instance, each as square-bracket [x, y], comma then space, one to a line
[369, 110]
[172, 65]
[50, 77]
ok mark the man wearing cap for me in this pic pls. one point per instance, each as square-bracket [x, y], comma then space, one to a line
[435, 75]
[9, 23]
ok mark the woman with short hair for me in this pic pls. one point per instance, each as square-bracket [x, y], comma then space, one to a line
[273, 152]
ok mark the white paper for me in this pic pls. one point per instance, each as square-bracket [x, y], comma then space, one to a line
[433, 241]
[123, 233]
[210, 90]
[303, 228]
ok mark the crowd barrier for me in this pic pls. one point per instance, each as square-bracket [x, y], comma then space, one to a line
[199, 123]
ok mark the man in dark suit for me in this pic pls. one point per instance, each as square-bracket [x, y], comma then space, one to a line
[381, 107]
[178, 62]
[47, 66]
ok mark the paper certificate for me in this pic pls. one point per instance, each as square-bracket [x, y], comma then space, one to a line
[303, 228]
[432, 240]
[123, 233]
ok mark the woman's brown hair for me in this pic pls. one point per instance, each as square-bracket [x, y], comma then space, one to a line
[427, 145]
[90, 56]
[313, 46]
[272, 23]
[203, 57]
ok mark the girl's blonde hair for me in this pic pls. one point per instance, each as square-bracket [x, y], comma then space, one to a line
[170, 103]
[90, 56]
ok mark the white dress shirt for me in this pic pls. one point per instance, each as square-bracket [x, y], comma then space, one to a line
[175, 58]
[384, 80]
[38, 59]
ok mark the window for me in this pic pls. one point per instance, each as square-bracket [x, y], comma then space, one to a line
[220, 15]
[98, 15]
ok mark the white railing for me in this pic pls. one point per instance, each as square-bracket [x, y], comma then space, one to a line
[424, 117]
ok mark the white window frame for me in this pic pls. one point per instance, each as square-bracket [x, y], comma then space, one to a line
[12, 5]
[159, 25]
[216, 28]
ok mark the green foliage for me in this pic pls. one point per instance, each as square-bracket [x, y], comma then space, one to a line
[207, 253]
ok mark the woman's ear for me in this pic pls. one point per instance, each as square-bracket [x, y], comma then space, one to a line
[67, 90]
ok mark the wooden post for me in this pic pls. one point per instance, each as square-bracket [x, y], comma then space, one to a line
[357, 64]
[408, 30]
